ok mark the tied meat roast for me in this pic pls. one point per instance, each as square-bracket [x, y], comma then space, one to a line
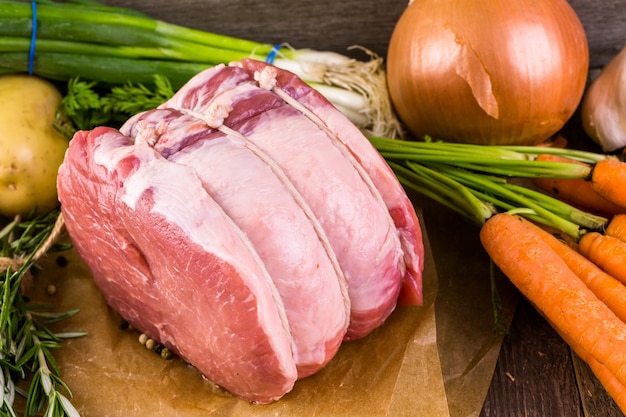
[246, 224]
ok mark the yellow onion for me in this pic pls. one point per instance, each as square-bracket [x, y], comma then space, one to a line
[487, 71]
[603, 109]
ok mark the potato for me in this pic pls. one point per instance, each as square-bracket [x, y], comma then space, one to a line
[32, 149]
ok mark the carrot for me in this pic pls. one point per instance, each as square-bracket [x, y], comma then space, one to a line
[608, 289]
[608, 178]
[611, 384]
[617, 227]
[544, 278]
[558, 141]
[578, 192]
[608, 252]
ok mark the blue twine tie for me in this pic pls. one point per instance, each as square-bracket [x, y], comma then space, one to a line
[272, 55]
[33, 38]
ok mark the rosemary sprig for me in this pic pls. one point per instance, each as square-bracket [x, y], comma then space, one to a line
[26, 342]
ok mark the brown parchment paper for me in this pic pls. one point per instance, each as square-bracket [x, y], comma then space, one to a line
[467, 343]
[435, 361]
[395, 371]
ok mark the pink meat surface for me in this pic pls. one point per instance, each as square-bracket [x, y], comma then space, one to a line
[176, 267]
[359, 229]
[293, 247]
[356, 220]
[346, 134]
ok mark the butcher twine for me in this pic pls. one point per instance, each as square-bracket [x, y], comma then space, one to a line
[17, 262]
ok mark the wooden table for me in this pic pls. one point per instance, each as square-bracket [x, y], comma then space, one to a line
[538, 375]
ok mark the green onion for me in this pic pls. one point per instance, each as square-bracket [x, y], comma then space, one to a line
[478, 181]
[445, 190]
[113, 45]
[511, 161]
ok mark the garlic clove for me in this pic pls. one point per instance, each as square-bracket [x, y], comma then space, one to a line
[603, 108]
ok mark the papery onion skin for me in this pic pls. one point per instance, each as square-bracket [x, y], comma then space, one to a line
[603, 109]
[487, 71]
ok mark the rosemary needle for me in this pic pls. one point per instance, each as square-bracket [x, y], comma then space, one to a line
[26, 343]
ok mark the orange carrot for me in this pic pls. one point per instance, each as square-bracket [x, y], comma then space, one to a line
[617, 227]
[609, 179]
[611, 384]
[608, 252]
[613, 387]
[578, 192]
[544, 278]
[558, 141]
[608, 289]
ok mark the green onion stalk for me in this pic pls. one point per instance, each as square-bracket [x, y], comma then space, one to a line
[478, 181]
[113, 45]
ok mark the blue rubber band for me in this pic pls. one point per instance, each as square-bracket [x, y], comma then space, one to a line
[33, 38]
[272, 55]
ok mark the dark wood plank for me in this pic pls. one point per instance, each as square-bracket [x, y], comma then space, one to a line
[605, 25]
[534, 375]
[336, 25]
[537, 374]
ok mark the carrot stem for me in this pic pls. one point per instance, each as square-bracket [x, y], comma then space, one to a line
[548, 210]
[445, 191]
[485, 152]
[486, 172]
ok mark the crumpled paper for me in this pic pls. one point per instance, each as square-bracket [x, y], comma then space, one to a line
[435, 360]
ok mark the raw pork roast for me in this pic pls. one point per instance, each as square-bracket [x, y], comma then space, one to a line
[245, 224]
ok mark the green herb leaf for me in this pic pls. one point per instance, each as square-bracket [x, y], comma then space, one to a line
[89, 104]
